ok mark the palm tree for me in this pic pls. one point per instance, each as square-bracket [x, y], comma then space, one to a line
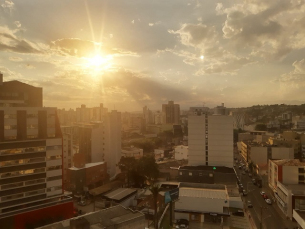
[155, 189]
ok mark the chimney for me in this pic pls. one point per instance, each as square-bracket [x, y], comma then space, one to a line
[1, 78]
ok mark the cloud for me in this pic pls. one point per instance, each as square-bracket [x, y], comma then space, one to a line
[229, 65]
[270, 29]
[84, 48]
[10, 42]
[197, 35]
[292, 84]
[8, 4]
[18, 24]
[15, 59]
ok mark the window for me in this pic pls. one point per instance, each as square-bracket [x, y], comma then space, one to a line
[301, 170]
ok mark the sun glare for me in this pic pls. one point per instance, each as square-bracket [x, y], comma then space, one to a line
[97, 60]
[99, 63]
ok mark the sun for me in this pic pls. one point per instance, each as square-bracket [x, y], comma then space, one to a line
[98, 63]
[97, 60]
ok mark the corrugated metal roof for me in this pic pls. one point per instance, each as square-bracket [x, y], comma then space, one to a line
[120, 193]
[203, 193]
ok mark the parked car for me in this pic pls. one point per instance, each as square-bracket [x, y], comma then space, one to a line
[182, 223]
[249, 204]
[265, 196]
[268, 201]
[244, 193]
[82, 203]
[262, 193]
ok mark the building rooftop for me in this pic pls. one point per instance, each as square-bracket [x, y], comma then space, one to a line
[218, 169]
[106, 218]
[88, 165]
[289, 162]
[203, 193]
[120, 193]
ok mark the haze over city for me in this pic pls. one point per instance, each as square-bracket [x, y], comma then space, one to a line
[127, 54]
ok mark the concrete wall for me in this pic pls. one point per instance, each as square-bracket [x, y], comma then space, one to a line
[201, 204]
[290, 175]
[259, 155]
[236, 202]
[181, 152]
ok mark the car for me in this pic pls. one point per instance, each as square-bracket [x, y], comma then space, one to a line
[243, 173]
[249, 204]
[244, 193]
[250, 174]
[182, 223]
[262, 193]
[268, 201]
[82, 203]
[239, 167]
[265, 196]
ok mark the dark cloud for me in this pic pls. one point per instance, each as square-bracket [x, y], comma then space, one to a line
[10, 42]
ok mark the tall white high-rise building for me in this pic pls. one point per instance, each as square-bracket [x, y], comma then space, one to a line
[210, 139]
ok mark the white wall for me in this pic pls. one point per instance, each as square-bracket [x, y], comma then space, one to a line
[181, 152]
[201, 204]
[282, 153]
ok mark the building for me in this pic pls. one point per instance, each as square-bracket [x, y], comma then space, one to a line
[206, 174]
[17, 94]
[31, 159]
[132, 152]
[67, 134]
[123, 196]
[171, 113]
[202, 202]
[101, 141]
[86, 177]
[113, 217]
[260, 153]
[210, 139]
[220, 110]
[286, 171]
[85, 114]
[181, 152]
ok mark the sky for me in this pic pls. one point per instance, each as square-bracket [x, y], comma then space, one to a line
[130, 53]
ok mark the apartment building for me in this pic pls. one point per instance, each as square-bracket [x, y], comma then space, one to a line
[171, 113]
[210, 139]
[30, 157]
[287, 178]
[101, 141]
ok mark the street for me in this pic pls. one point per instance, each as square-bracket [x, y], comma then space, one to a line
[272, 217]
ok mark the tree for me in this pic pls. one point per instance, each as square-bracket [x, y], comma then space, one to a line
[155, 189]
[128, 165]
[261, 127]
[148, 168]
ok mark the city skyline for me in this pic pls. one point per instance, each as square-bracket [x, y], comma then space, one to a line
[128, 54]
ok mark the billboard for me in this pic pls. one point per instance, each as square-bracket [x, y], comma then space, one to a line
[171, 195]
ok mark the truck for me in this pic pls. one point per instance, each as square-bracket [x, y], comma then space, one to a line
[257, 181]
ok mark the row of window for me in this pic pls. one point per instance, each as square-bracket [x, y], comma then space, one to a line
[23, 150]
[30, 171]
[21, 161]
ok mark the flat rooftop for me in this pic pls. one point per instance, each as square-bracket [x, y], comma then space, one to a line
[217, 169]
[106, 218]
[88, 165]
[289, 162]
